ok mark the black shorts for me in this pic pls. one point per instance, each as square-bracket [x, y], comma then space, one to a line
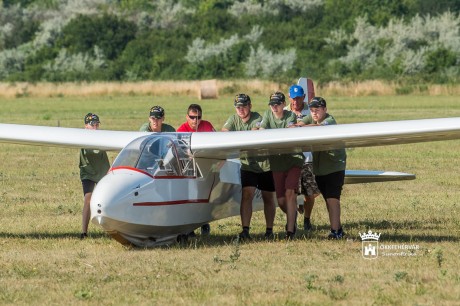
[262, 181]
[88, 186]
[331, 184]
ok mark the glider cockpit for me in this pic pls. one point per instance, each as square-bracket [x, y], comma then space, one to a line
[160, 155]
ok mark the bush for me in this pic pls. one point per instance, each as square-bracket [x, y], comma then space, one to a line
[108, 32]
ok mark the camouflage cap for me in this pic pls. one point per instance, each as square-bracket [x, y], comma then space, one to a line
[92, 119]
[157, 112]
[277, 98]
[241, 100]
[317, 102]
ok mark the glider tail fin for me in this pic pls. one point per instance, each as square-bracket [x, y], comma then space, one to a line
[308, 88]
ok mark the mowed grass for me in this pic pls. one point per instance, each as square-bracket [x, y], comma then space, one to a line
[42, 260]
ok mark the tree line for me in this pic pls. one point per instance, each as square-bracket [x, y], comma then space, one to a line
[134, 40]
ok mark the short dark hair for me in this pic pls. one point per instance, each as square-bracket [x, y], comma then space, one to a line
[195, 108]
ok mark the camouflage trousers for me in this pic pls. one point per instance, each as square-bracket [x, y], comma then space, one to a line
[307, 182]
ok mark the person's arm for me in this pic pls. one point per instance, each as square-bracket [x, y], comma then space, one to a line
[292, 120]
[228, 125]
[307, 121]
[256, 123]
[265, 123]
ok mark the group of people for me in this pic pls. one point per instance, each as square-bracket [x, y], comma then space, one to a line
[283, 176]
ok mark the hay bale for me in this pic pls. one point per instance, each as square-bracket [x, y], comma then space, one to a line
[208, 89]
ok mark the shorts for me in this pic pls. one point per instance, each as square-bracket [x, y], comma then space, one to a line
[88, 186]
[307, 182]
[331, 184]
[262, 180]
[286, 180]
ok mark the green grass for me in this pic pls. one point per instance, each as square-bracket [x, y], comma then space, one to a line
[42, 261]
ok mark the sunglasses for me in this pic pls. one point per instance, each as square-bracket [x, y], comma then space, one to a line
[194, 117]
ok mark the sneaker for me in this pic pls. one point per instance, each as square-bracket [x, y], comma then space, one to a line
[307, 224]
[336, 234]
[290, 235]
[83, 235]
[205, 229]
[269, 236]
[244, 235]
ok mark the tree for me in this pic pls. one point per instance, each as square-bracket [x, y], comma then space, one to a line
[108, 32]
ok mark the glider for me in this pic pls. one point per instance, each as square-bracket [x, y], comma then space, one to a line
[164, 185]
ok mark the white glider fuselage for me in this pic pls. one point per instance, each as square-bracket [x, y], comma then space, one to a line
[156, 191]
[150, 203]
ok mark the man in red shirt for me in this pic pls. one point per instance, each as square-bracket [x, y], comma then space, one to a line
[194, 122]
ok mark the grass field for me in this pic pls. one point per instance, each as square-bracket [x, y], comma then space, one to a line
[42, 260]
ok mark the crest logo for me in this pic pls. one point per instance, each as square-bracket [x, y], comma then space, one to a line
[370, 244]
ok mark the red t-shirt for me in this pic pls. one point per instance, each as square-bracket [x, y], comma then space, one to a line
[205, 126]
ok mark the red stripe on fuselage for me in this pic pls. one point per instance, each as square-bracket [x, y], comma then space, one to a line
[165, 203]
[174, 177]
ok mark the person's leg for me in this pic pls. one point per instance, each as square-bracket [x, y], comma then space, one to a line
[246, 205]
[291, 183]
[86, 213]
[309, 202]
[302, 189]
[332, 191]
[269, 208]
[279, 179]
[269, 212]
[310, 190]
[88, 187]
[291, 209]
[282, 204]
[333, 207]
[248, 184]
[267, 185]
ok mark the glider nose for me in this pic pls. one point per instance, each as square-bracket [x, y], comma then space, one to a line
[114, 194]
